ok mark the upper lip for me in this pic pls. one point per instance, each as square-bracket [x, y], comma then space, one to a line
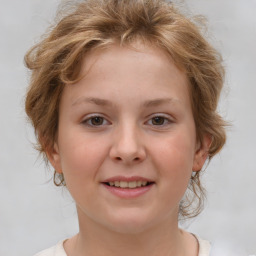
[124, 178]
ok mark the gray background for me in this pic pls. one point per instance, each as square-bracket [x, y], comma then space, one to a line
[34, 214]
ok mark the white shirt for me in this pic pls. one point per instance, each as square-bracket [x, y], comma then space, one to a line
[58, 249]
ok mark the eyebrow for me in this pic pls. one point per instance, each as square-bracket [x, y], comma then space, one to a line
[97, 101]
[104, 102]
[160, 101]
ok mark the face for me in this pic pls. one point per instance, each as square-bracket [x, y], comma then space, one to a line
[127, 140]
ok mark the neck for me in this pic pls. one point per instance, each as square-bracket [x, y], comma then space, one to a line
[163, 239]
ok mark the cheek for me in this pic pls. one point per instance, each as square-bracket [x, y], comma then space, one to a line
[81, 157]
[81, 163]
[174, 158]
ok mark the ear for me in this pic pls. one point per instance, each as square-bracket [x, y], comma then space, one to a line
[201, 153]
[53, 156]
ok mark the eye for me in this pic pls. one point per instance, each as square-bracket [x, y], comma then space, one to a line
[95, 121]
[159, 121]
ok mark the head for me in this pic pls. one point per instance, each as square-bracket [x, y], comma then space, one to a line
[96, 25]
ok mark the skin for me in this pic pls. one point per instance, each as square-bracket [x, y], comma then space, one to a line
[145, 127]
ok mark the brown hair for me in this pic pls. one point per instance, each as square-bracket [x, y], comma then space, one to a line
[56, 61]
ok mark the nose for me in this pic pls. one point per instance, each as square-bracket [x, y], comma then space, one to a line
[128, 146]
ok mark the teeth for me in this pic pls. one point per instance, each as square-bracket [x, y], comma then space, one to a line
[144, 183]
[130, 184]
[123, 184]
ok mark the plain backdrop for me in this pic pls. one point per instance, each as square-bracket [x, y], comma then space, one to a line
[34, 214]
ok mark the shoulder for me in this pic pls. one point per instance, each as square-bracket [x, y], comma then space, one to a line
[57, 250]
[204, 247]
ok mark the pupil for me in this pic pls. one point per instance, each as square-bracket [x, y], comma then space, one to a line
[97, 120]
[158, 120]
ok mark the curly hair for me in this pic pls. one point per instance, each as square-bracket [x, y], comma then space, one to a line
[56, 61]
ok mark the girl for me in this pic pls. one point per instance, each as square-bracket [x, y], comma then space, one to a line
[123, 99]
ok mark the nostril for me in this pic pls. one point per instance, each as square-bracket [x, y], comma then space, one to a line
[136, 159]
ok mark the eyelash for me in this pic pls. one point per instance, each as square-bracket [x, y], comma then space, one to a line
[88, 121]
[166, 120]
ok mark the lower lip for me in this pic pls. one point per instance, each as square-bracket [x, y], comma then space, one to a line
[128, 192]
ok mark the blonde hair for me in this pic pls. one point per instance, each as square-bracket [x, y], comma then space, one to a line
[56, 61]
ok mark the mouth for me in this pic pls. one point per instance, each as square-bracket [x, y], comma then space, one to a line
[128, 187]
[128, 184]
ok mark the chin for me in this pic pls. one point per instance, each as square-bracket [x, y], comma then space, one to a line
[131, 223]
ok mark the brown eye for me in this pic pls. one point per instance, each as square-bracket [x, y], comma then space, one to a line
[97, 120]
[158, 120]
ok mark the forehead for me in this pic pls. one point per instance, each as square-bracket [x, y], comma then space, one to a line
[137, 57]
[128, 70]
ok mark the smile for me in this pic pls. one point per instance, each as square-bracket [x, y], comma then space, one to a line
[128, 184]
[128, 187]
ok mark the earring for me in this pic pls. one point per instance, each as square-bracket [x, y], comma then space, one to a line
[58, 179]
